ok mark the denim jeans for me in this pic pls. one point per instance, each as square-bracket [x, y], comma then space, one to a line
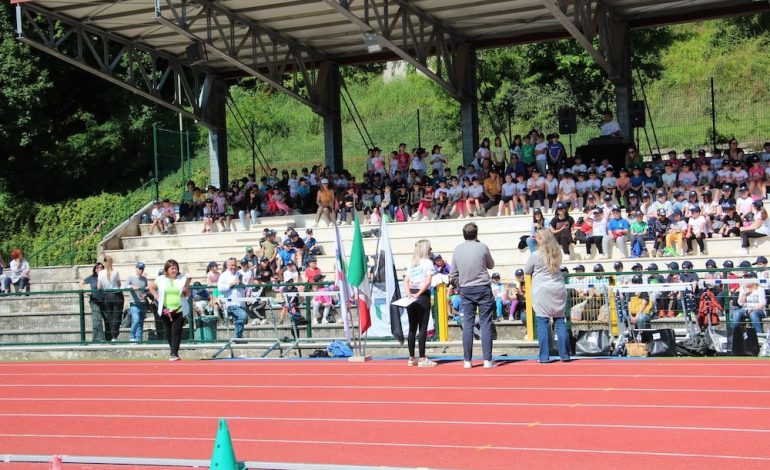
[480, 297]
[21, 284]
[531, 244]
[239, 315]
[642, 321]
[756, 317]
[544, 337]
[138, 313]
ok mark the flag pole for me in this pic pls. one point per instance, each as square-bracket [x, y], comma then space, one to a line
[360, 357]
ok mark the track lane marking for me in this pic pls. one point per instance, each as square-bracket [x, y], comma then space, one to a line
[386, 421]
[408, 445]
[388, 402]
[381, 387]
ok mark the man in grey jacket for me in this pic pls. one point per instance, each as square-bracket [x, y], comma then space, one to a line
[471, 261]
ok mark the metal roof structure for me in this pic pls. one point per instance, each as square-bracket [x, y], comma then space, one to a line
[334, 29]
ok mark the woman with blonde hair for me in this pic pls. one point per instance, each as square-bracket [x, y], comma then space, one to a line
[549, 295]
[417, 281]
[109, 279]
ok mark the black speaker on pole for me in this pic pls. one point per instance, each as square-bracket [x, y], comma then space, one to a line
[567, 121]
[195, 52]
[637, 113]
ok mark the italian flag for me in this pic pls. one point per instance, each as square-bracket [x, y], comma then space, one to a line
[357, 277]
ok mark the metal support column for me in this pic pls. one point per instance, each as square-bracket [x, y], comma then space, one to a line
[328, 97]
[467, 68]
[615, 37]
[214, 105]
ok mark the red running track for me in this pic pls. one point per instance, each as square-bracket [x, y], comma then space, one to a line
[584, 414]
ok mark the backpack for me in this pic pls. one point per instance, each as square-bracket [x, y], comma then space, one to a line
[708, 307]
[339, 349]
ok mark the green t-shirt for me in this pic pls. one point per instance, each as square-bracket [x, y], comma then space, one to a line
[527, 153]
[172, 297]
[639, 228]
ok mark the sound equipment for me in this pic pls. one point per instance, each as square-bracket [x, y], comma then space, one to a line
[637, 113]
[195, 52]
[567, 121]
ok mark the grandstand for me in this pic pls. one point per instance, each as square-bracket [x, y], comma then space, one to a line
[193, 250]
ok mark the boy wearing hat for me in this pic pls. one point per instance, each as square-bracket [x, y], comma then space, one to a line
[617, 229]
[498, 290]
[675, 235]
[138, 306]
[638, 230]
[696, 230]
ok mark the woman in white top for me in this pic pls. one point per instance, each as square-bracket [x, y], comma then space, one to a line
[417, 281]
[760, 228]
[113, 300]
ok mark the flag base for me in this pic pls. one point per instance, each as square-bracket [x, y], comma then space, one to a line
[359, 358]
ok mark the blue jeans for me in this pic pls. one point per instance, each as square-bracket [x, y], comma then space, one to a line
[240, 316]
[531, 244]
[21, 284]
[138, 313]
[480, 297]
[544, 337]
[756, 317]
[642, 321]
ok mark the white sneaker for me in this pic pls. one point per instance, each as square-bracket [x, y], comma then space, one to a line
[425, 362]
[467, 365]
[325, 321]
[743, 251]
[490, 364]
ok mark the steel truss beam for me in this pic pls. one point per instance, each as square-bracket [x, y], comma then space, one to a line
[241, 42]
[420, 36]
[148, 73]
[592, 18]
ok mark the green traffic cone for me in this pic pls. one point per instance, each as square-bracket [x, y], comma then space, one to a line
[223, 456]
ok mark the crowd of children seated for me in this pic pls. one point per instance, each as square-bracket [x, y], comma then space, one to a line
[654, 207]
[288, 259]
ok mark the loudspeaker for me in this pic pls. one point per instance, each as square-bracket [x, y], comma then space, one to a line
[567, 121]
[637, 113]
[195, 52]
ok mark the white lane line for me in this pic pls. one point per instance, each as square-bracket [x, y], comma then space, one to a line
[414, 375]
[516, 362]
[645, 453]
[37, 400]
[387, 387]
[450, 422]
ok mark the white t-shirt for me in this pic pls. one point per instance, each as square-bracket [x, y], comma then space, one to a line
[610, 128]
[697, 225]
[509, 189]
[418, 274]
[744, 205]
[541, 147]
[567, 187]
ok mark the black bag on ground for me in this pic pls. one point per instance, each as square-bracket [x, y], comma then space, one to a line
[593, 343]
[660, 343]
[695, 345]
[743, 341]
